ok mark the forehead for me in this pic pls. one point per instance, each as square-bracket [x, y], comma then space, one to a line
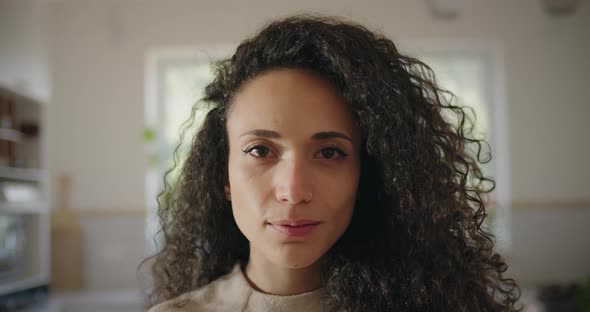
[292, 102]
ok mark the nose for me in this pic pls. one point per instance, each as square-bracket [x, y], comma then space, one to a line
[293, 182]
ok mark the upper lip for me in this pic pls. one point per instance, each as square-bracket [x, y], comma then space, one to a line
[291, 222]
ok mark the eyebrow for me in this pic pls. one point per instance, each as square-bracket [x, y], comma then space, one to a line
[325, 135]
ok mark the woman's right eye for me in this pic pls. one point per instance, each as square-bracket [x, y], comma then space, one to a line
[258, 151]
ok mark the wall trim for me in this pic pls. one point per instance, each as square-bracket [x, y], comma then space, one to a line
[550, 204]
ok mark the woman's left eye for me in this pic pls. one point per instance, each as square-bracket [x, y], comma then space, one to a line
[332, 153]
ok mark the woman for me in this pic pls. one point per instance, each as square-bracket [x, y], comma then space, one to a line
[325, 178]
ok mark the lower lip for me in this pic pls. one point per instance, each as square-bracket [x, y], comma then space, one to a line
[295, 230]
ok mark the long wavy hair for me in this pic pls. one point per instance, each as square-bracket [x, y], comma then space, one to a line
[416, 241]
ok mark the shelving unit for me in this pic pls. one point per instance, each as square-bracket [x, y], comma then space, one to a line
[21, 174]
[10, 135]
[24, 201]
[35, 207]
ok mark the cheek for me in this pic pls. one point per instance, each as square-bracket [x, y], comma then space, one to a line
[249, 191]
[340, 188]
[247, 184]
[342, 197]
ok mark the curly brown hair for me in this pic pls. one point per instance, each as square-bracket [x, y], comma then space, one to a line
[416, 241]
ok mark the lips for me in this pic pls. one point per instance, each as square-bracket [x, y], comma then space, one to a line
[295, 227]
[294, 222]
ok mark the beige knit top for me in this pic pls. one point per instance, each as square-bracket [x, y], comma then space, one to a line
[232, 292]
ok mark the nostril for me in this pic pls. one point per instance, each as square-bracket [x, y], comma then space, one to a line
[295, 197]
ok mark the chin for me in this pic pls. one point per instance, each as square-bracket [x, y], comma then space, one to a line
[294, 259]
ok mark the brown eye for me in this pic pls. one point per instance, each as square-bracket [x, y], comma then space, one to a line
[259, 151]
[330, 152]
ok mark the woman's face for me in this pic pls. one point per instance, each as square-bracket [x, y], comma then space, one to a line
[294, 166]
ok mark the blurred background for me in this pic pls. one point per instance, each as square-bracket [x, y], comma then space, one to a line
[92, 95]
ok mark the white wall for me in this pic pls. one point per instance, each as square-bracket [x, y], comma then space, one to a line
[96, 114]
[23, 50]
[550, 244]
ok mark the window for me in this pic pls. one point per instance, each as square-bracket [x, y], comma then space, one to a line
[176, 80]
[473, 76]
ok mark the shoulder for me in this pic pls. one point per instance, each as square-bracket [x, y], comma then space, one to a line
[227, 293]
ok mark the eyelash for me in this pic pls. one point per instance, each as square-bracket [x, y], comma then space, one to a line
[248, 150]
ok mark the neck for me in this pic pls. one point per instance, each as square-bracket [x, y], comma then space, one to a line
[267, 277]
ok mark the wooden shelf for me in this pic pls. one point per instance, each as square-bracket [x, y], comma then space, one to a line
[23, 207]
[22, 174]
[11, 286]
[10, 135]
